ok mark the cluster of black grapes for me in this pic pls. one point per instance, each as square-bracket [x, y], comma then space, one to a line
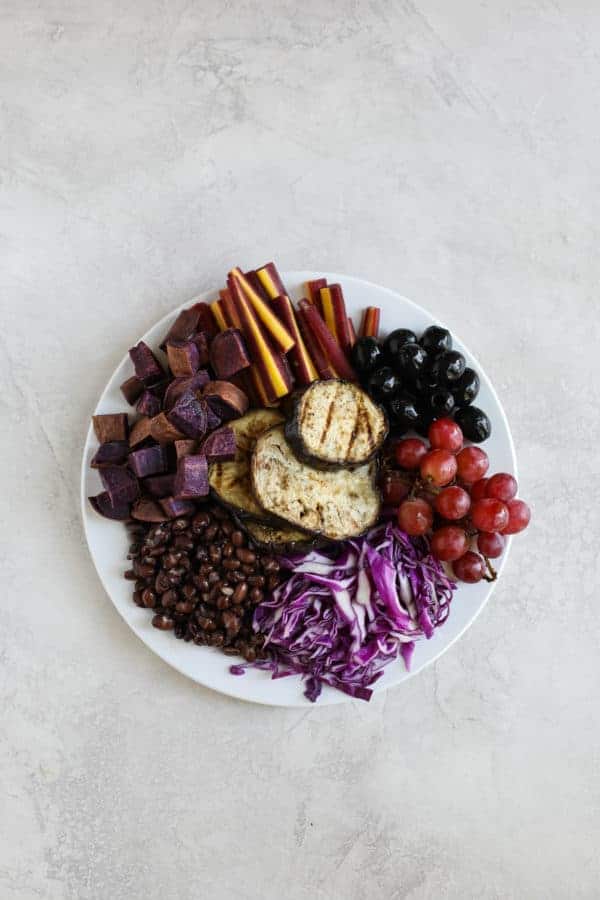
[421, 380]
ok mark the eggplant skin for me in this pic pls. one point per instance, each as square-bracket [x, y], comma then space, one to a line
[229, 480]
[337, 505]
[278, 537]
[336, 425]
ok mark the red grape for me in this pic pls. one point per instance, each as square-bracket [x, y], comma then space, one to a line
[490, 544]
[519, 515]
[489, 515]
[445, 434]
[478, 490]
[449, 542]
[502, 487]
[415, 516]
[472, 463]
[453, 502]
[410, 452]
[438, 467]
[469, 568]
[394, 488]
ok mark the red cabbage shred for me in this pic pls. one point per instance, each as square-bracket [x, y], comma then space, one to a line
[342, 616]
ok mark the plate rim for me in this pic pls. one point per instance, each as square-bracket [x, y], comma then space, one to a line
[330, 697]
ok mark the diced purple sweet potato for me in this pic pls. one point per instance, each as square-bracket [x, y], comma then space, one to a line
[225, 399]
[213, 421]
[228, 353]
[184, 326]
[147, 367]
[111, 427]
[113, 453]
[179, 385]
[202, 342]
[164, 431]
[103, 505]
[147, 510]
[219, 446]
[159, 486]
[185, 448]
[121, 484]
[175, 507]
[184, 358]
[148, 461]
[206, 320]
[148, 404]
[131, 389]
[189, 415]
[140, 432]
[191, 480]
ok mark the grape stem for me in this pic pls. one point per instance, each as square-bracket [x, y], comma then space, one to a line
[492, 572]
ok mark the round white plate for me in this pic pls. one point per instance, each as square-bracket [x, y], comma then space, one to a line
[108, 541]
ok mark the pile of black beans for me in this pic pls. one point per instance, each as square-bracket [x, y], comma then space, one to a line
[202, 578]
[419, 380]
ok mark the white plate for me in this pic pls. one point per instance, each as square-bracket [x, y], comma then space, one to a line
[108, 540]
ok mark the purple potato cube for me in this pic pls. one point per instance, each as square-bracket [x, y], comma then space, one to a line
[148, 404]
[121, 485]
[220, 445]
[159, 486]
[147, 367]
[148, 461]
[191, 480]
[131, 389]
[229, 354]
[184, 358]
[174, 507]
[103, 505]
[113, 453]
[189, 415]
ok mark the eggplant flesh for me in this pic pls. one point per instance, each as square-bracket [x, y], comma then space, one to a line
[336, 425]
[230, 480]
[337, 504]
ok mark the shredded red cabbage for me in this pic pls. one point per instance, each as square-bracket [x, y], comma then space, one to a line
[342, 616]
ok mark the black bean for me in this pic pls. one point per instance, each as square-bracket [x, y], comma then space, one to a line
[169, 598]
[257, 580]
[240, 593]
[184, 607]
[200, 521]
[162, 583]
[163, 623]
[149, 598]
[180, 525]
[245, 556]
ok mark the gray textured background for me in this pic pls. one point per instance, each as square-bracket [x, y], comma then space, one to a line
[449, 150]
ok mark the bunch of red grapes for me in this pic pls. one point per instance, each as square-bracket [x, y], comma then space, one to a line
[445, 490]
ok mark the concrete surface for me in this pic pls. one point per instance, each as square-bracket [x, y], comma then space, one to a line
[449, 150]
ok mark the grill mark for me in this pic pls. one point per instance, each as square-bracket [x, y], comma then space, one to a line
[369, 431]
[329, 417]
[359, 410]
[303, 412]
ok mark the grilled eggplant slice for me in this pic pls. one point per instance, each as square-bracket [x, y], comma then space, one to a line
[230, 481]
[337, 504]
[336, 425]
[277, 538]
